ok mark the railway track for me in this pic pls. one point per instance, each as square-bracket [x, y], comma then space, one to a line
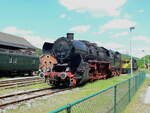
[37, 93]
[19, 79]
[6, 84]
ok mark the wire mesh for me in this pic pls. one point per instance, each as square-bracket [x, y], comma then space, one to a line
[110, 100]
[101, 103]
[132, 87]
[121, 96]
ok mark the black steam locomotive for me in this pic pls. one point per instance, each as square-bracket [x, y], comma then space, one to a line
[78, 61]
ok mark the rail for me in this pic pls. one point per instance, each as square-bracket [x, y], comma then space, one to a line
[111, 100]
[14, 99]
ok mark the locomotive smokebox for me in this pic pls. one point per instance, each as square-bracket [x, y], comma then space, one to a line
[70, 36]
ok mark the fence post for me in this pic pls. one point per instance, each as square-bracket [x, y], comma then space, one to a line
[114, 100]
[129, 89]
[140, 79]
[69, 108]
[135, 83]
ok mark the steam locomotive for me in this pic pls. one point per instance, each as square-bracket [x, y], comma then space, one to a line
[68, 62]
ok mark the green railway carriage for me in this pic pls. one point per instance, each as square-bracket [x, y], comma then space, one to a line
[11, 61]
[17, 55]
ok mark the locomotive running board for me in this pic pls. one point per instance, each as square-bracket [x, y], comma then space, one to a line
[95, 61]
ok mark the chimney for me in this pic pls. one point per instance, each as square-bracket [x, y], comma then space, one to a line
[70, 36]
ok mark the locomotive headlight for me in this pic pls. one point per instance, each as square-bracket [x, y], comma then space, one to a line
[41, 74]
[63, 75]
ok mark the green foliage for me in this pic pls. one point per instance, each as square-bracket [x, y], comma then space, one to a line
[140, 61]
[143, 60]
[126, 56]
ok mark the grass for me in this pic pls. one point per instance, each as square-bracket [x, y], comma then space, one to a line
[46, 104]
[4, 78]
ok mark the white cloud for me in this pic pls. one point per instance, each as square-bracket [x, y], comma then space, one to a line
[120, 34]
[63, 16]
[14, 30]
[136, 51]
[37, 41]
[95, 7]
[140, 53]
[113, 45]
[110, 45]
[142, 38]
[127, 16]
[80, 29]
[141, 11]
[124, 49]
[117, 24]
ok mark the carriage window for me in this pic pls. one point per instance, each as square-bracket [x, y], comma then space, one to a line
[33, 62]
[10, 60]
[15, 61]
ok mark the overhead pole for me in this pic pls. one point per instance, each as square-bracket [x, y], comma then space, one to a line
[144, 59]
[131, 59]
[148, 62]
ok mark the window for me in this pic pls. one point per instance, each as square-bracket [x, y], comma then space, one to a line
[15, 61]
[33, 62]
[10, 60]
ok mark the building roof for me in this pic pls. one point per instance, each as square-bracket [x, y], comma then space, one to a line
[14, 41]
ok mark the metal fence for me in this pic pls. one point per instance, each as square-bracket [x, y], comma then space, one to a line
[111, 100]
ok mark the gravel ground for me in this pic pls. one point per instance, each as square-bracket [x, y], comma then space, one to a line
[141, 101]
[147, 96]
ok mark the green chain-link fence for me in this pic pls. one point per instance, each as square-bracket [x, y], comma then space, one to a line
[111, 100]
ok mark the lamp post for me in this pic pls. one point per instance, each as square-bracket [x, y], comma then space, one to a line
[131, 68]
[144, 59]
[148, 62]
[131, 59]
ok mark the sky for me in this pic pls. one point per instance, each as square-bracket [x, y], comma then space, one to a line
[105, 22]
